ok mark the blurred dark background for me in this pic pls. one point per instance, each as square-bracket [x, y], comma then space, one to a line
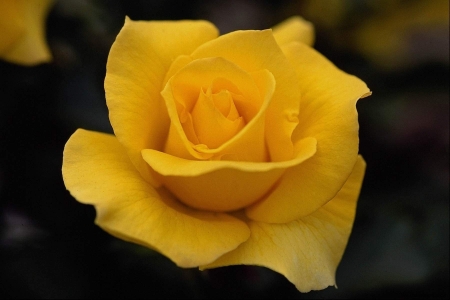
[399, 248]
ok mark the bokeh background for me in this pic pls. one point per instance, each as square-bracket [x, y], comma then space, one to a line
[399, 248]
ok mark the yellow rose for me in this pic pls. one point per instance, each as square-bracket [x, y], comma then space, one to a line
[232, 149]
[22, 31]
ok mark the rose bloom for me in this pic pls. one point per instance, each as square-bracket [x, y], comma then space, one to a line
[232, 149]
[22, 31]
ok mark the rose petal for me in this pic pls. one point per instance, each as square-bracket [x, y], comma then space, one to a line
[97, 170]
[256, 89]
[137, 65]
[329, 114]
[254, 51]
[29, 47]
[307, 251]
[222, 185]
[294, 29]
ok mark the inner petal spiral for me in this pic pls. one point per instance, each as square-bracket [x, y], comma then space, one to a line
[215, 118]
[217, 110]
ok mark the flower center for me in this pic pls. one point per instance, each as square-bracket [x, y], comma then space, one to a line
[212, 104]
[215, 118]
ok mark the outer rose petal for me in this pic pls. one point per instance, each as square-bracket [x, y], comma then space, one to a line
[26, 43]
[307, 251]
[253, 51]
[137, 65]
[97, 170]
[294, 29]
[329, 114]
[222, 185]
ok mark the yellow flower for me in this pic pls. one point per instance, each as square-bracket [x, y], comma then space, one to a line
[232, 149]
[22, 31]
